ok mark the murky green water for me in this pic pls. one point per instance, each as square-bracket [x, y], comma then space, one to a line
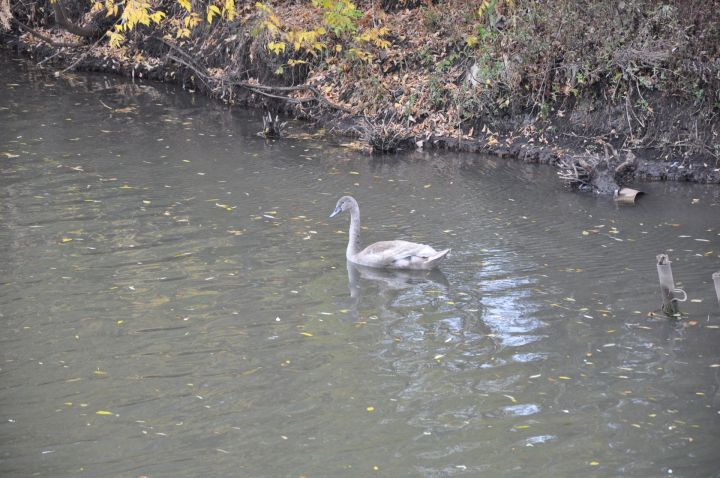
[175, 303]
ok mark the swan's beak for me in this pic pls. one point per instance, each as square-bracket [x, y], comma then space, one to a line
[336, 212]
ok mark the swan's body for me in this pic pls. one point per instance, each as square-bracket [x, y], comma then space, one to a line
[385, 254]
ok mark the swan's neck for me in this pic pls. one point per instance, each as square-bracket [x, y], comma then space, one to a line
[354, 240]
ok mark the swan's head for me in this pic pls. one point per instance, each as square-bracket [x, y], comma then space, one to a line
[343, 204]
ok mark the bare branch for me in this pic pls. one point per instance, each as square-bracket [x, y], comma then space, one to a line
[42, 37]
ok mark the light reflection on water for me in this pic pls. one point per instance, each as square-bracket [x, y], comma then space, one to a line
[162, 263]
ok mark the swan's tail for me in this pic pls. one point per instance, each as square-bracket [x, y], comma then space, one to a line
[433, 260]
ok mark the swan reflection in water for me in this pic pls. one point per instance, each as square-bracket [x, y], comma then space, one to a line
[390, 282]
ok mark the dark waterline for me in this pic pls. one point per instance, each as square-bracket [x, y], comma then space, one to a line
[175, 302]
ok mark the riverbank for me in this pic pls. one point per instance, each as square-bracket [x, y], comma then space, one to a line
[608, 94]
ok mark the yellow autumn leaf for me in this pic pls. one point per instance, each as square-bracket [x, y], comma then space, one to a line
[211, 12]
[306, 334]
[116, 40]
[484, 5]
[276, 47]
[157, 16]
[103, 412]
[229, 10]
[192, 20]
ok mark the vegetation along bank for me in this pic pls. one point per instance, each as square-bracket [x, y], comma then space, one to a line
[607, 92]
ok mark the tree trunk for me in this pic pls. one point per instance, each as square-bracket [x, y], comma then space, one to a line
[62, 21]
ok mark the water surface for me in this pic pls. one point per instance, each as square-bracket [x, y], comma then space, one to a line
[175, 302]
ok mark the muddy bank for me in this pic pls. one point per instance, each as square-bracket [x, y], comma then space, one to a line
[430, 81]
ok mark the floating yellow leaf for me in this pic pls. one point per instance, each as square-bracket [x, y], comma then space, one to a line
[370, 409]
[594, 463]
[563, 377]
[66, 239]
[103, 412]
[521, 427]
[306, 334]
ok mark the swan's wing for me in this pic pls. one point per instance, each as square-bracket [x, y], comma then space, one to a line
[420, 262]
[387, 253]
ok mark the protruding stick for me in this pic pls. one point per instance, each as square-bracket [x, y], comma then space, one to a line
[667, 286]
